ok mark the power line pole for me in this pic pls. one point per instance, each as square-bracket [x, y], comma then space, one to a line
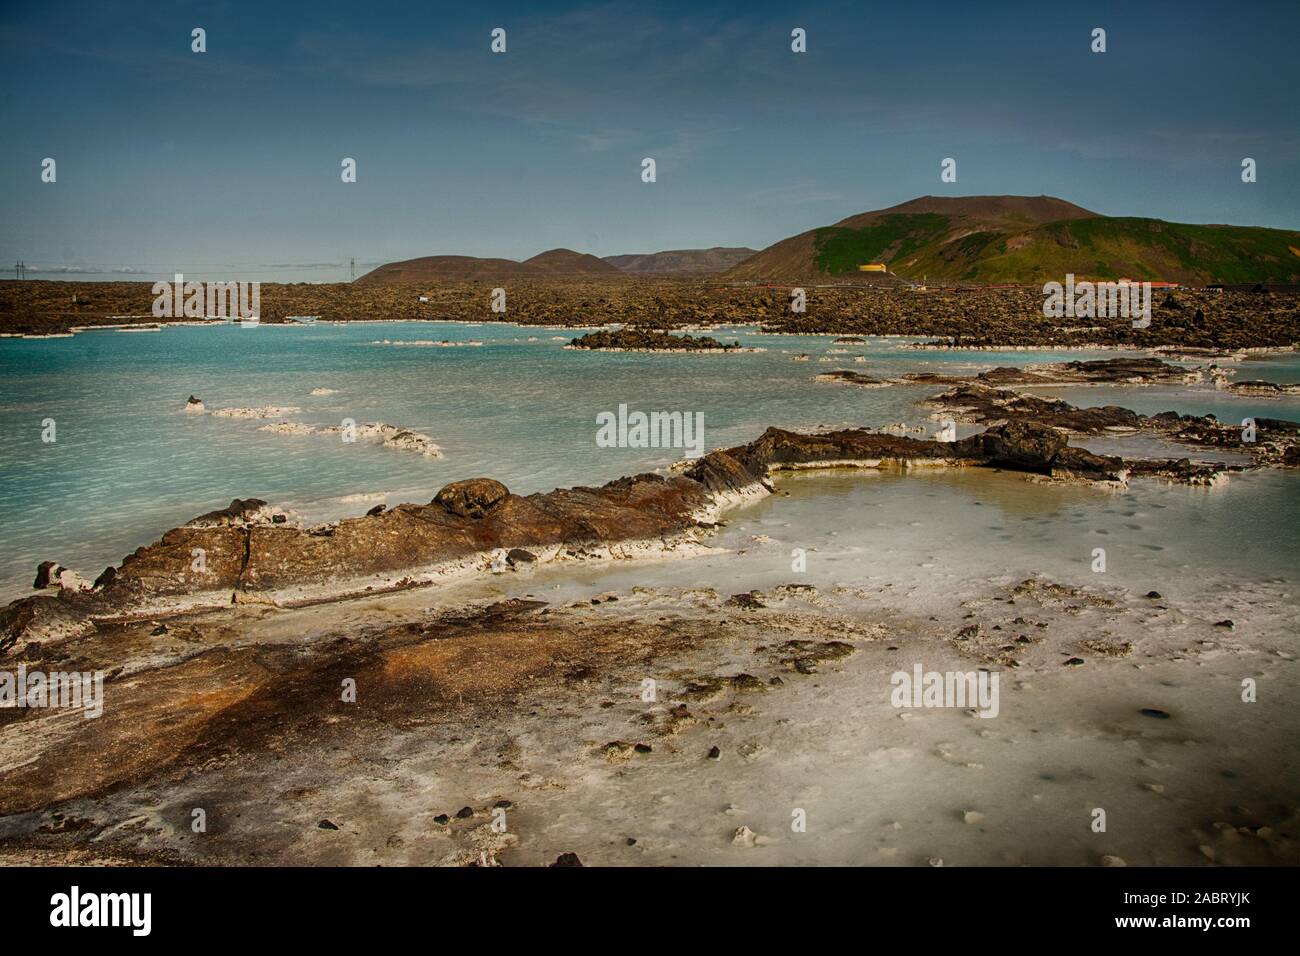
[353, 277]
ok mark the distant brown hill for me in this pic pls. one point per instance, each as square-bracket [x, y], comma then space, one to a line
[553, 262]
[1024, 239]
[1005, 210]
[973, 239]
[568, 262]
[428, 268]
[928, 218]
[682, 261]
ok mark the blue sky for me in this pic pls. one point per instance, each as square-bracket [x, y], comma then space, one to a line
[227, 163]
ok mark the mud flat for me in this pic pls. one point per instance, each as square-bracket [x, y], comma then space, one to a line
[766, 704]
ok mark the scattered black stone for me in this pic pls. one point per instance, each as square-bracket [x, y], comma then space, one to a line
[376, 510]
[642, 748]
[442, 819]
[749, 600]
[714, 753]
[631, 841]
[1154, 595]
[1073, 662]
[159, 630]
[567, 859]
[1225, 623]
[503, 804]
[1153, 712]
[326, 825]
[464, 813]
[46, 572]
[519, 556]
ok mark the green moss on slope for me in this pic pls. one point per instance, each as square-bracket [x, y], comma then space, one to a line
[838, 249]
[923, 244]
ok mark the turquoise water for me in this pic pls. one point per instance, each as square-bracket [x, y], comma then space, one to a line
[129, 463]
[924, 539]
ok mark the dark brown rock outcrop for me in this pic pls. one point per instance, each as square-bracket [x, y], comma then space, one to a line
[241, 511]
[47, 573]
[38, 619]
[236, 553]
[980, 403]
[1114, 371]
[472, 498]
[648, 340]
[849, 377]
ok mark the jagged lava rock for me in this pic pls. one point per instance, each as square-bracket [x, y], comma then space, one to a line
[39, 620]
[472, 498]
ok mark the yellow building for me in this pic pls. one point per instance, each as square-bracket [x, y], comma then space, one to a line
[873, 267]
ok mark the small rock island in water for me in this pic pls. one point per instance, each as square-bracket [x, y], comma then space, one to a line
[644, 340]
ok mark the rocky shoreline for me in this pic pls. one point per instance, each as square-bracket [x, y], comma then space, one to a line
[252, 553]
[995, 398]
[1220, 321]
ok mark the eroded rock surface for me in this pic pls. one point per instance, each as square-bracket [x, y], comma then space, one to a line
[249, 552]
[647, 340]
[972, 402]
[472, 498]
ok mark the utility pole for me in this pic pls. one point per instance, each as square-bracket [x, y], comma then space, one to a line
[353, 277]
